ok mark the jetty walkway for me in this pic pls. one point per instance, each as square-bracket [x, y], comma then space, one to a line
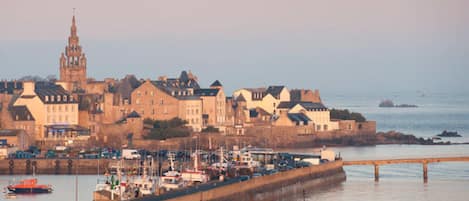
[423, 161]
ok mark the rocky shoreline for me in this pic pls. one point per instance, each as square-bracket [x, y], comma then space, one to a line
[394, 137]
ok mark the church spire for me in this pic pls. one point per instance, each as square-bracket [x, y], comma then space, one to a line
[74, 26]
[73, 60]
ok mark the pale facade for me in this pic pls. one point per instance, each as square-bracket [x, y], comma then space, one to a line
[49, 105]
[320, 117]
[267, 99]
[213, 105]
[190, 110]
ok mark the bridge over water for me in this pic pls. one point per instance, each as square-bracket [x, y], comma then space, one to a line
[423, 161]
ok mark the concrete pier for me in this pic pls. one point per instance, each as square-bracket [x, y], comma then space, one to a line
[423, 161]
[269, 187]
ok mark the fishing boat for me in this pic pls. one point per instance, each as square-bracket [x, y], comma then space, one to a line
[29, 186]
[195, 175]
[171, 179]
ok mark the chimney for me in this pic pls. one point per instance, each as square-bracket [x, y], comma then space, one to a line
[29, 87]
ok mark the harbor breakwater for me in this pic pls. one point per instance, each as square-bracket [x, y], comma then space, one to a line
[282, 185]
[53, 166]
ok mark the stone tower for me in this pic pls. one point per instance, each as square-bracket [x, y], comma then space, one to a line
[73, 62]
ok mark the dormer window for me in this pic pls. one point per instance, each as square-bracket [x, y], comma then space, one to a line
[47, 98]
[65, 98]
[52, 98]
[71, 98]
[58, 98]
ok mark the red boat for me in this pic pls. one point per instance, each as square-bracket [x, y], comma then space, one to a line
[29, 186]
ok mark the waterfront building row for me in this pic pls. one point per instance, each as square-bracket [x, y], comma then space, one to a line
[76, 107]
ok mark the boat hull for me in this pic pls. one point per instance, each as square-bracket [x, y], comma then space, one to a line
[30, 190]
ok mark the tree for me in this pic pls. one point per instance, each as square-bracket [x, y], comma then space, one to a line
[346, 115]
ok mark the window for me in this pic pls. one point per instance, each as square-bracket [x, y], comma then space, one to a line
[47, 98]
[325, 127]
[152, 93]
[161, 102]
[65, 98]
[138, 93]
[137, 101]
[58, 98]
[318, 127]
[52, 98]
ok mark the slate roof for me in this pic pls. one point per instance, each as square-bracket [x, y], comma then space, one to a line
[133, 115]
[9, 86]
[306, 105]
[240, 98]
[297, 117]
[43, 89]
[216, 84]
[22, 113]
[255, 112]
[275, 91]
[311, 105]
[175, 85]
[206, 92]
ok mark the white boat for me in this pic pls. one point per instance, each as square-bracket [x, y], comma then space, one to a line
[171, 179]
[195, 175]
[145, 184]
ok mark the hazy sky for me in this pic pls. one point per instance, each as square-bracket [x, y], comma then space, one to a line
[333, 45]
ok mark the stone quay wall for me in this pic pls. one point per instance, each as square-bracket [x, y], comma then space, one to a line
[273, 187]
[53, 166]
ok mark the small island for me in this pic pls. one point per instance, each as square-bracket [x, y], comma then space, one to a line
[389, 103]
[449, 134]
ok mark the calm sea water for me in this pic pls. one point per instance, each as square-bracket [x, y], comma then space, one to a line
[436, 112]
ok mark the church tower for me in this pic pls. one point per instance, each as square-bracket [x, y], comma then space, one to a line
[73, 62]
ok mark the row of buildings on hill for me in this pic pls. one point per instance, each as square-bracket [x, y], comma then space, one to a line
[76, 107]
